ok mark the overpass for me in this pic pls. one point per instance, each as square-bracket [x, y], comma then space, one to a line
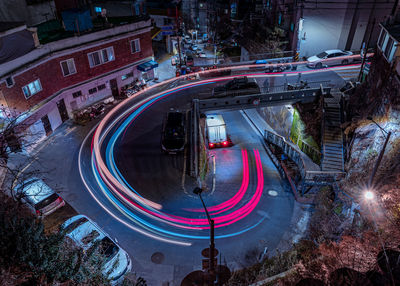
[260, 100]
[237, 103]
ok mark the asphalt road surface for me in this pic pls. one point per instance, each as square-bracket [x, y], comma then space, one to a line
[161, 178]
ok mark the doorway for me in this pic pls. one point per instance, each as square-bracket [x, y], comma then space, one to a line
[63, 110]
[47, 125]
[114, 88]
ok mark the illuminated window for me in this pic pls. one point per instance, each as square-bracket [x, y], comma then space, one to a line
[68, 67]
[32, 88]
[101, 57]
[126, 76]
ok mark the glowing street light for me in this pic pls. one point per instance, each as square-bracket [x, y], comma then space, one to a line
[369, 195]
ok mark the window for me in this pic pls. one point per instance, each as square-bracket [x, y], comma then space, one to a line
[101, 57]
[101, 87]
[167, 21]
[126, 76]
[135, 46]
[92, 90]
[32, 88]
[382, 38]
[388, 48]
[68, 67]
[9, 81]
[77, 94]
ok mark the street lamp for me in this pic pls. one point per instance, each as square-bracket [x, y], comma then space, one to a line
[369, 195]
[378, 161]
[211, 268]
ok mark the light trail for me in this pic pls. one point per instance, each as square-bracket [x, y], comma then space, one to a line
[133, 205]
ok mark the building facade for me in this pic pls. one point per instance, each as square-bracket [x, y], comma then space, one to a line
[46, 85]
[314, 26]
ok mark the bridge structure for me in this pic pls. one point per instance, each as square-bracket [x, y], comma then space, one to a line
[309, 95]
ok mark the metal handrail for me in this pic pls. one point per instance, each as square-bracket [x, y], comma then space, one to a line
[289, 150]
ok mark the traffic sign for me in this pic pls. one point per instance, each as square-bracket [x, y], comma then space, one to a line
[165, 33]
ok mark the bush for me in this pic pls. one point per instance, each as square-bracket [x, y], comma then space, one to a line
[42, 259]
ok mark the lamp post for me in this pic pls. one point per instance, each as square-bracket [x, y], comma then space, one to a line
[378, 161]
[211, 269]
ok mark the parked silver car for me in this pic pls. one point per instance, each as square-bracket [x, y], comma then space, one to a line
[330, 58]
[84, 233]
[39, 197]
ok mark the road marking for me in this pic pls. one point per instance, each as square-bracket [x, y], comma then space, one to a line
[184, 162]
[184, 172]
[214, 171]
[264, 214]
[70, 130]
[272, 193]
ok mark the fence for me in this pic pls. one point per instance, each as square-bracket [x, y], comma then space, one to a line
[289, 151]
[262, 56]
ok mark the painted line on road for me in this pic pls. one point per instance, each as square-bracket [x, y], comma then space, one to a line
[214, 172]
[184, 162]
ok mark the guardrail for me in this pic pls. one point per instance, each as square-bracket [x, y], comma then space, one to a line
[265, 99]
[289, 151]
[308, 177]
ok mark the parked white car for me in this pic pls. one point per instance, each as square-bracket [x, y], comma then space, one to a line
[39, 197]
[330, 58]
[84, 233]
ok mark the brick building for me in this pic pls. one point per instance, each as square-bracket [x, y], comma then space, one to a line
[51, 81]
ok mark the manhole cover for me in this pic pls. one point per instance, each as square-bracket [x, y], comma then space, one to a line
[157, 258]
[272, 193]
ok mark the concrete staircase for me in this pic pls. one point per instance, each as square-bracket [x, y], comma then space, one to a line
[332, 141]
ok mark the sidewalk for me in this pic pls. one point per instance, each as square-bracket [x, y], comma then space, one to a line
[261, 125]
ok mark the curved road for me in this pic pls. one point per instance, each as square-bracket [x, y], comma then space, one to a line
[159, 177]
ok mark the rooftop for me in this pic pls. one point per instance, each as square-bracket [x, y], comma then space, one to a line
[62, 42]
[53, 30]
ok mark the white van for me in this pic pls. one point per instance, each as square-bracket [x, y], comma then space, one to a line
[39, 197]
[216, 131]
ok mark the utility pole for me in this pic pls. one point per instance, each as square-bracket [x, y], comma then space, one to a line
[211, 269]
[378, 161]
[366, 51]
[177, 34]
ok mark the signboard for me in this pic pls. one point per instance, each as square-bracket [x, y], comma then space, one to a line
[165, 33]
[167, 28]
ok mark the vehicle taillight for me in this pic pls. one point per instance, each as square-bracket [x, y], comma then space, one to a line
[59, 200]
[211, 145]
[225, 143]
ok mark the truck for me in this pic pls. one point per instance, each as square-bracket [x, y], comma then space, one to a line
[216, 131]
